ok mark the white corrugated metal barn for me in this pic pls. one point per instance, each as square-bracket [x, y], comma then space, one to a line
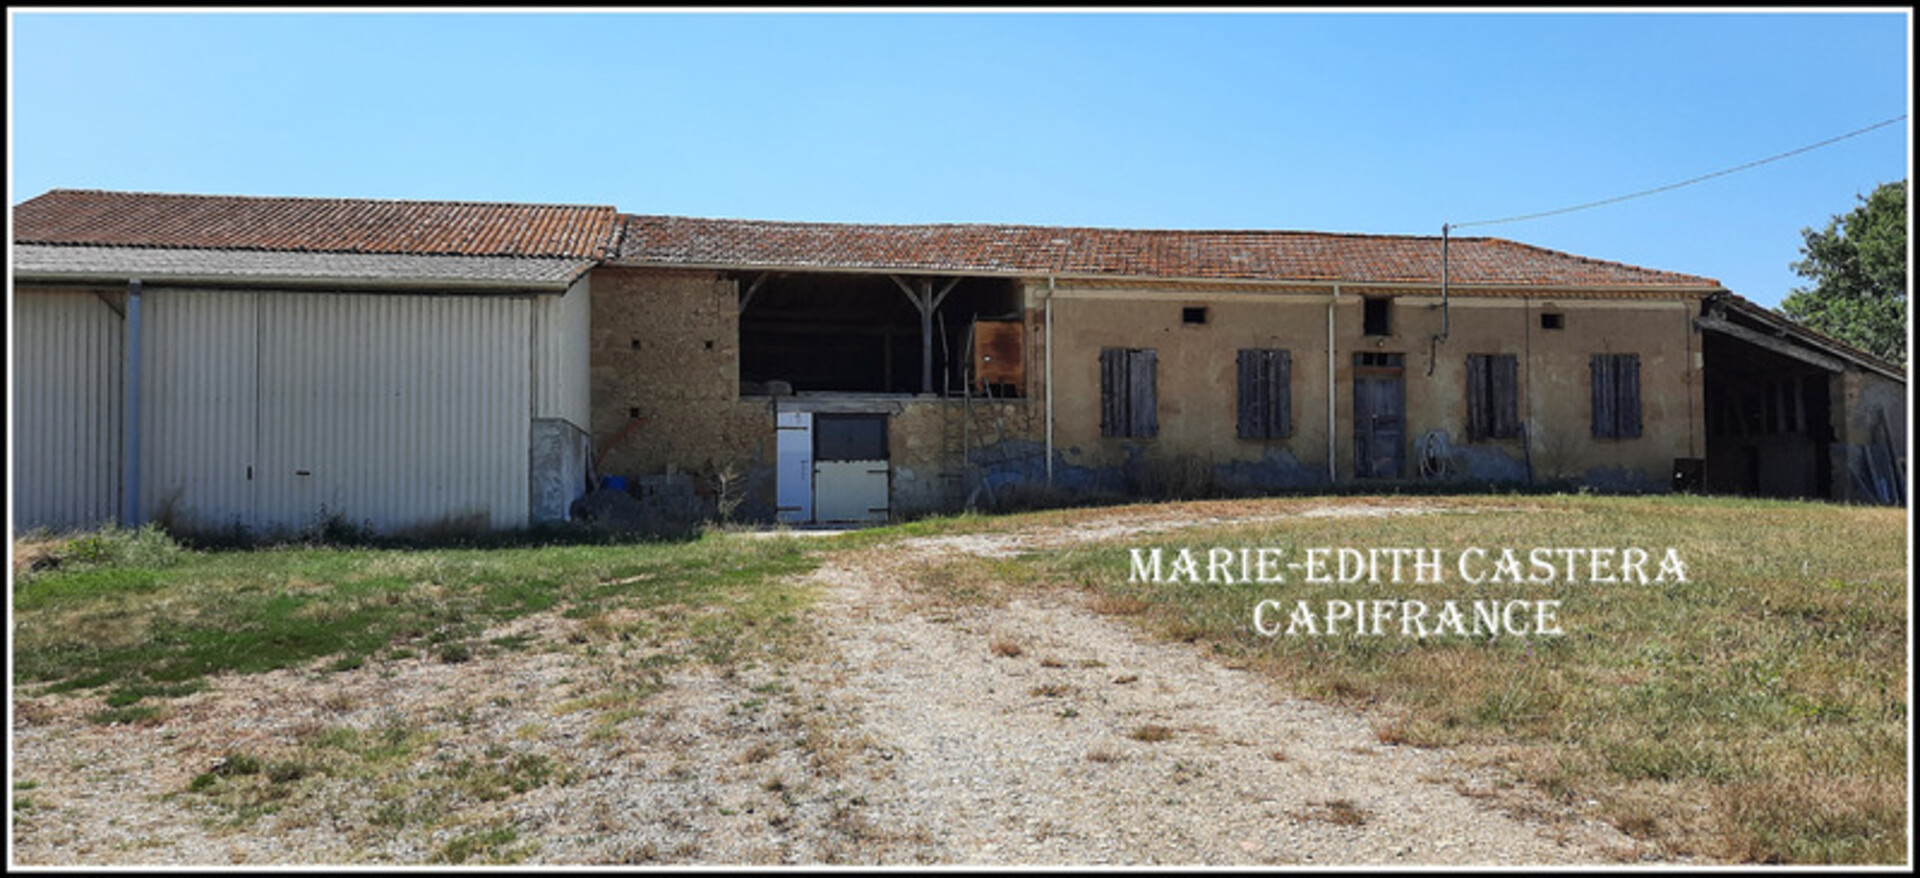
[268, 365]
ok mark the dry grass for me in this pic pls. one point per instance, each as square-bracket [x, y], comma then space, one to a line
[1339, 812]
[1052, 690]
[1151, 733]
[1755, 713]
[1117, 604]
[1104, 754]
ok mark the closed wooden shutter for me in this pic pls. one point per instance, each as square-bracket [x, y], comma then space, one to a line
[1600, 370]
[1280, 395]
[1127, 398]
[1113, 391]
[1627, 387]
[1478, 416]
[1616, 396]
[1144, 417]
[1252, 413]
[1505, 379]
[1265, 388]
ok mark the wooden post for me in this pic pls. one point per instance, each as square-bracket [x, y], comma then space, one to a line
[926, 300]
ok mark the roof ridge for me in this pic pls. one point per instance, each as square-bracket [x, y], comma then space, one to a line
[330, 199]
[626, 217]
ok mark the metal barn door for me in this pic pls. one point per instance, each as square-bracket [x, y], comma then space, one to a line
[850, 472]
[199, 410]
[393, 411]
[1379, 416]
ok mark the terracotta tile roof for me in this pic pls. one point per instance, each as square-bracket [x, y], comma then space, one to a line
[324, 225]
[1093, 252]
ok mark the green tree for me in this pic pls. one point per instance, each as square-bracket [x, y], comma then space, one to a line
[1858, 266]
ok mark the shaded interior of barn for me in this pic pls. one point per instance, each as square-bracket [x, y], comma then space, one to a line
[1769, 421]
[865, 333]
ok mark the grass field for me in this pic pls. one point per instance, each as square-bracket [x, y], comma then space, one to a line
[133, 613]
[1756, 712]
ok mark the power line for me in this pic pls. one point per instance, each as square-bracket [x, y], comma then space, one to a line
[1671, 186]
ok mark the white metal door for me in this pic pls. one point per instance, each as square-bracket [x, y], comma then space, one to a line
[793, 473]
[393, 411]
[850, 490]
[199, 410]
[850, 472]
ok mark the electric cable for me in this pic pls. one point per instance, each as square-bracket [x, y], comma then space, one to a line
[1672, 186]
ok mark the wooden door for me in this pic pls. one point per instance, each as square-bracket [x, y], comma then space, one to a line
[1379, 421]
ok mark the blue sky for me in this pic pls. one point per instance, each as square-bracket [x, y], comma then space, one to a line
[1387, 123]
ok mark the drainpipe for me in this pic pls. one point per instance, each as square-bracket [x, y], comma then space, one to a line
[130, 426]
[1332, 474]
[1049, 344]
[1433, 349]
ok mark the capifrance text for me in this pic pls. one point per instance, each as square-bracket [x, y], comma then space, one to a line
[1432, 613]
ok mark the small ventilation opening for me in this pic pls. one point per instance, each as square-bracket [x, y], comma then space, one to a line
[1193, 316]
[1553, 321]
[1374, 317]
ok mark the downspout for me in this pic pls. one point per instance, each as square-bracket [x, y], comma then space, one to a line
[1695, 384]
[130, 425]
[1526, 385]
[1049, 345]
[1332, 473]
[1433, 349]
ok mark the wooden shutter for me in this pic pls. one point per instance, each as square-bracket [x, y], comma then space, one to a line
[1113, 391]
[1504, 394]
[1253, 415]
[1600, 370]
[1144, 419]
[1280, 395]
[1478, 416]
[1265, 388]
[1627, 390]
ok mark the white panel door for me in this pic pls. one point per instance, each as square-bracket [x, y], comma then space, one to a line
[793, 474]
[850, 472]
[850, 490]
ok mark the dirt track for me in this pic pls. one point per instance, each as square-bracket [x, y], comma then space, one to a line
[1025, 731]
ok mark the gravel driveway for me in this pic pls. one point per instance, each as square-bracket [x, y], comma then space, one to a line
[1025, 731]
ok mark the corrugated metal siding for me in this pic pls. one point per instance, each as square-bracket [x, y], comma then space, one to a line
[198, 408]
[561, 351]
[67, 375]
[392, 411]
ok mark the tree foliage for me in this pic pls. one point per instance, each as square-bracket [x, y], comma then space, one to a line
[1858, 265]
